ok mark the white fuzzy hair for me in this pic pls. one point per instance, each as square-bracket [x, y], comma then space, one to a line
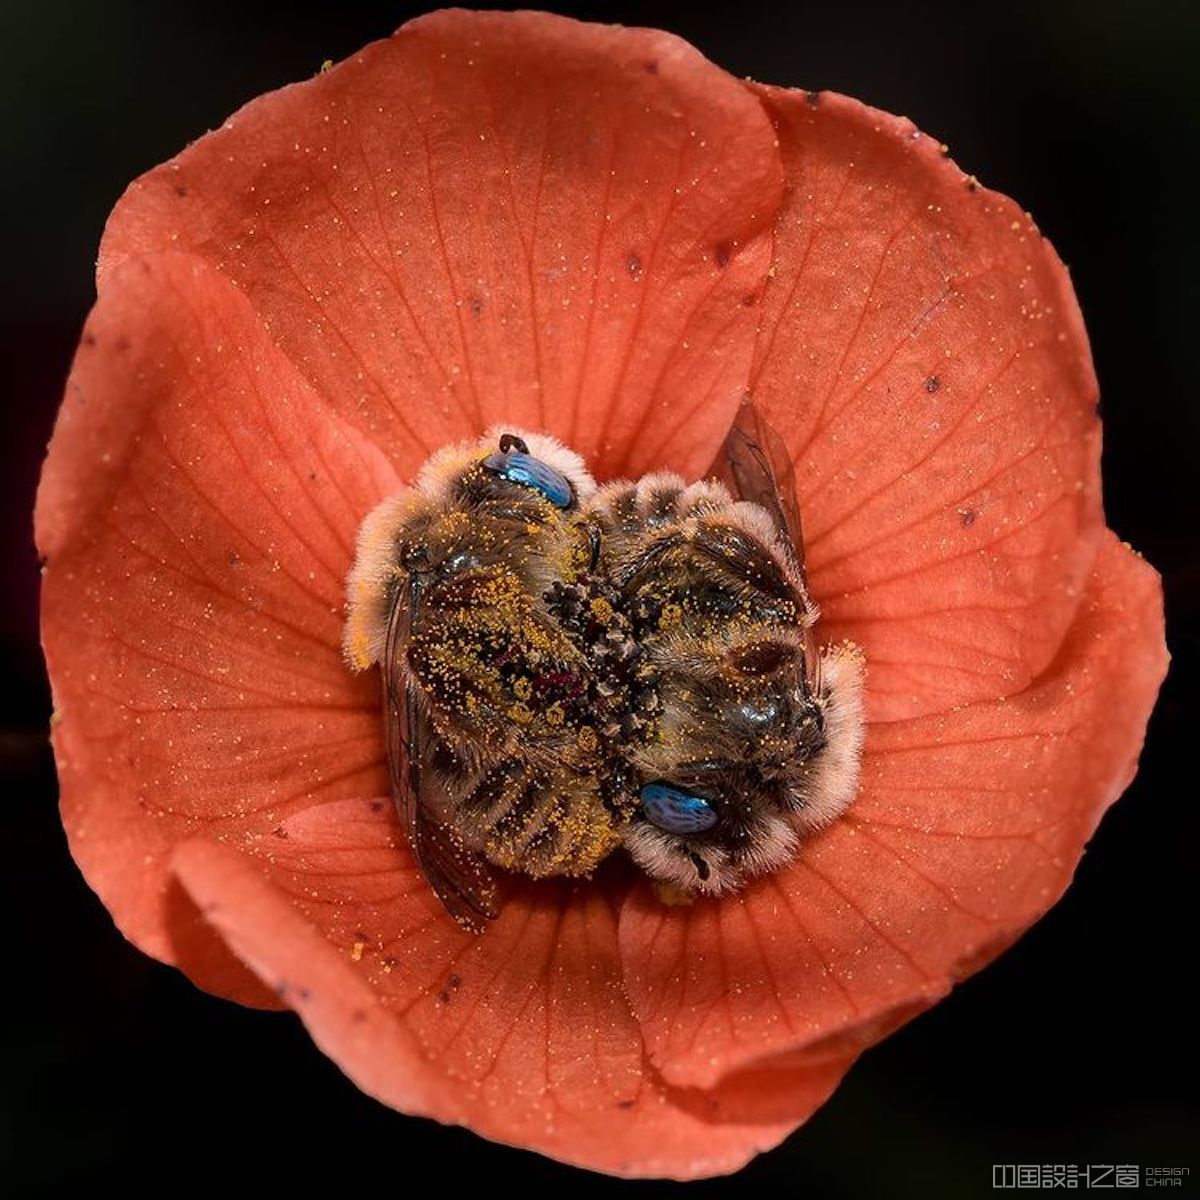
[375, 568]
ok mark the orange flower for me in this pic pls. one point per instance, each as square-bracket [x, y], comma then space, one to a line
[593, 230]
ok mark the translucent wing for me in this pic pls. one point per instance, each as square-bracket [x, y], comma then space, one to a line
[756, 465]
[460, 877]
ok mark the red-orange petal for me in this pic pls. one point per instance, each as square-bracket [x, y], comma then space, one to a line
[923, 353]
[968, 826]
[197, 516]
[494, 217]
[523, 1033]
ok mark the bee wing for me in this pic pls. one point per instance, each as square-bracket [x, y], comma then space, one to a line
[756, 465]
[460, 878]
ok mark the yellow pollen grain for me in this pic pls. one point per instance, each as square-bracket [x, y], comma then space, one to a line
[360, 650]
[602, 610]
[671, 617]
[587, 834]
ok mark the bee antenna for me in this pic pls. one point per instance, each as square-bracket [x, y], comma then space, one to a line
[510, 441]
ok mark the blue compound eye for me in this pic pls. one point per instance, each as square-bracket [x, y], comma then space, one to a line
[676, 810]
[520, 467]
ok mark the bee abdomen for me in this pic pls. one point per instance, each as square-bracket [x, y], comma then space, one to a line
[537, 820]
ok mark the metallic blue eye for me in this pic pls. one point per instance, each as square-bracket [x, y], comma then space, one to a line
[676, 810]
[527, 471]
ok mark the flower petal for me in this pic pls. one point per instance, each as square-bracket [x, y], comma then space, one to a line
[968, 827]
[495, 217]
[923, 353]
[523, 1033]
[197, 515]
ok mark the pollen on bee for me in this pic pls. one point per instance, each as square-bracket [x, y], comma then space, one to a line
[359, 650]
[671, 618]
[602, 610]
[552, 650]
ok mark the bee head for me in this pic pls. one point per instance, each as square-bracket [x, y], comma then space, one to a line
[711, 829]
[540, 464]
[737, 777]
[715, 802]
[719, 808]
[507, 458]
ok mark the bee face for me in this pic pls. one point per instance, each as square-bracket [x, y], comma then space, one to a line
[722, 806]
[720, 824]
[515, 462]
[726, 771]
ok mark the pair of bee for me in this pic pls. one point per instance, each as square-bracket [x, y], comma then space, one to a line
[569, 669]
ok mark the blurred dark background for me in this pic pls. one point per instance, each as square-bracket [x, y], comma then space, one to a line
[1078, 1046]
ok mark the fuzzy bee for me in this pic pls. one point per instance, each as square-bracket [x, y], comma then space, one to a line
[503, 666]
[568, 670]
[758, 733]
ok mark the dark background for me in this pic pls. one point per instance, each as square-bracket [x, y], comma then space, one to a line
[1077, 1046]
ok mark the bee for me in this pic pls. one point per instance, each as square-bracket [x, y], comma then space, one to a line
[568, 670]
[504, 666]
[757, 732]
